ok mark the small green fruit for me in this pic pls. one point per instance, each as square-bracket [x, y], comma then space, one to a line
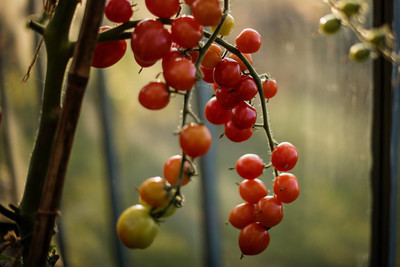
[329, 24]
[349, 7]
[359, 52]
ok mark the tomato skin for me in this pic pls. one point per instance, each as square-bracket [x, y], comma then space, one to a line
[227, 73]
[269, 211]
[173, 55]
[180, 74]
[195, 139]
[246, 88]
[236, 135]
[286, 187]
[154, 96]
[253, 239]
[207, 75]
[215, 113]
[252, 190]
[136, 228]
[243, 115]
[248, 41]
[284, 157]
[242, 215]
[249, 166]
[227, 97]
[163, 8]
[150, 41]
[270, 87]
[212, 57]
[107, 54]
[154, 192]
[242, 65]
[207, 12]
[118, 11]
[186, 32]
[144, 64]
[172, 167]
[226, 27]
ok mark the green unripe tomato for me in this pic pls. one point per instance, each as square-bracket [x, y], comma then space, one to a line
[377, 36]
[329, 24]
[227, 26]
[359, 52]
[349, 7]
[136, 228]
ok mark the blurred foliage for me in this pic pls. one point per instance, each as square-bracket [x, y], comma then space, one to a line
[323, 106]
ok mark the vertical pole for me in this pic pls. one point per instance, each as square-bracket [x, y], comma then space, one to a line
[111, 163]
[209, 188]
[383, 178]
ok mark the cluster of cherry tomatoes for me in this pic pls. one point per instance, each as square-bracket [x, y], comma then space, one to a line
[260, 211]
[186, 58]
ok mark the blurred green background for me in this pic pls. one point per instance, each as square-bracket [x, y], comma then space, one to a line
[323, 107]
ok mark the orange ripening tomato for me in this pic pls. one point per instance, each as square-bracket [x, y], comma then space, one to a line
[195, 140]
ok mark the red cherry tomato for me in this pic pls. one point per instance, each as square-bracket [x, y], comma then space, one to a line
[154, 96]
[163, 8]
[269, 211]
[172, 168]
[248, 41]
[180, 74]
[227, 97]
[242, 215]
[207, 75]
[215, 113]
[118, 11]
[270, 87]
[207, 12]
[173, 55]
[253, 239]
[252, 190]
[286, 187]
[186, 32]
[107, 54]
[249, 166]
[195, 140]
[150, 40]
[243, 116]
[284, 157]
[227, 73]
[246, 88]
[236, 135]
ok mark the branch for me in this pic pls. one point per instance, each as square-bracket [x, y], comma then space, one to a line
[77, 81]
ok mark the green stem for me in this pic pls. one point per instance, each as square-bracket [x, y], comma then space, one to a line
[59, 51]
[257, 79]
